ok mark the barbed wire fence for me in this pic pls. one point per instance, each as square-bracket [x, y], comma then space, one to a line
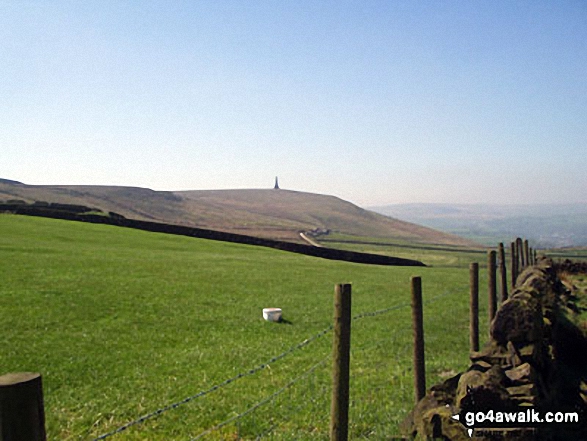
[375, 385]
[376, 376]
[216, 387]
[264, 401]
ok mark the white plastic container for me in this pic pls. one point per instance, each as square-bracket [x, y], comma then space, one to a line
[272, 314]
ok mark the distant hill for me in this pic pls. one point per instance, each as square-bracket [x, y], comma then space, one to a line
[545, 225]
[8, 181]
[268, 213]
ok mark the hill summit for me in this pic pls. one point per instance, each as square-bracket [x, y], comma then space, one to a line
[270, 213]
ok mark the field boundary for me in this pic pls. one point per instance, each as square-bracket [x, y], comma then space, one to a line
[156, 227]
[411, 246]
[32, 383]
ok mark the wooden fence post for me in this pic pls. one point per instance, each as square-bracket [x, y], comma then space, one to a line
[520, 252]
[22, 411]
[341, 348]
[503, 286]
[474, 307]
[491, 284]
[514, 264]
[526, 252]
[418, 329]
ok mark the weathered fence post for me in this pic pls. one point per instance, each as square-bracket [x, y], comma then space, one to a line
[491, 284]
[520, 252]
[526, 252]
[418, 328]
[474, 306]
[341, 348]
[514, 264]
[22, 411]
[503, 286]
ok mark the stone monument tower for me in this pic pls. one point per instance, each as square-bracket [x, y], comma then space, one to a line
[276, 184]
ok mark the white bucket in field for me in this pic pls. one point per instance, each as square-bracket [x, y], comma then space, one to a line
[272, 314]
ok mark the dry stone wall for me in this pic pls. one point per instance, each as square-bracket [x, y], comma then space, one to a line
[78, 213]
[535, 359]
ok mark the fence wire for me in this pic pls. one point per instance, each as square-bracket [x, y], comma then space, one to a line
[380, 311]
[263, 401]
[401, 305]
[215, 387]
[253, 371]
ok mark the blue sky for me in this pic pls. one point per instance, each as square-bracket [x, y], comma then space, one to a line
[373, 101]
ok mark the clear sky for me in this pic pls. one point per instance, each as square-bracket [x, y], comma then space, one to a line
[373, 101]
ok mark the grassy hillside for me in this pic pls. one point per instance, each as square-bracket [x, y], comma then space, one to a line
[276, 214]
[307, 211]
[429, 254]
[123, 322]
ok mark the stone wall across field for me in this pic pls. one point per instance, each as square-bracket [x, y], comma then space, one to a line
[76, 213]
[536, 359]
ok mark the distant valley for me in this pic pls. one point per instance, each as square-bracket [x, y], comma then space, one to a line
[545, 225]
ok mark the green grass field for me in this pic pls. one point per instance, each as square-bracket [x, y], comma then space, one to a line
[122, 322]
[432, 255]
[575, 254]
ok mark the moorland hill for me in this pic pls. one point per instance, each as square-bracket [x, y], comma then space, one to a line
[269, 213]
